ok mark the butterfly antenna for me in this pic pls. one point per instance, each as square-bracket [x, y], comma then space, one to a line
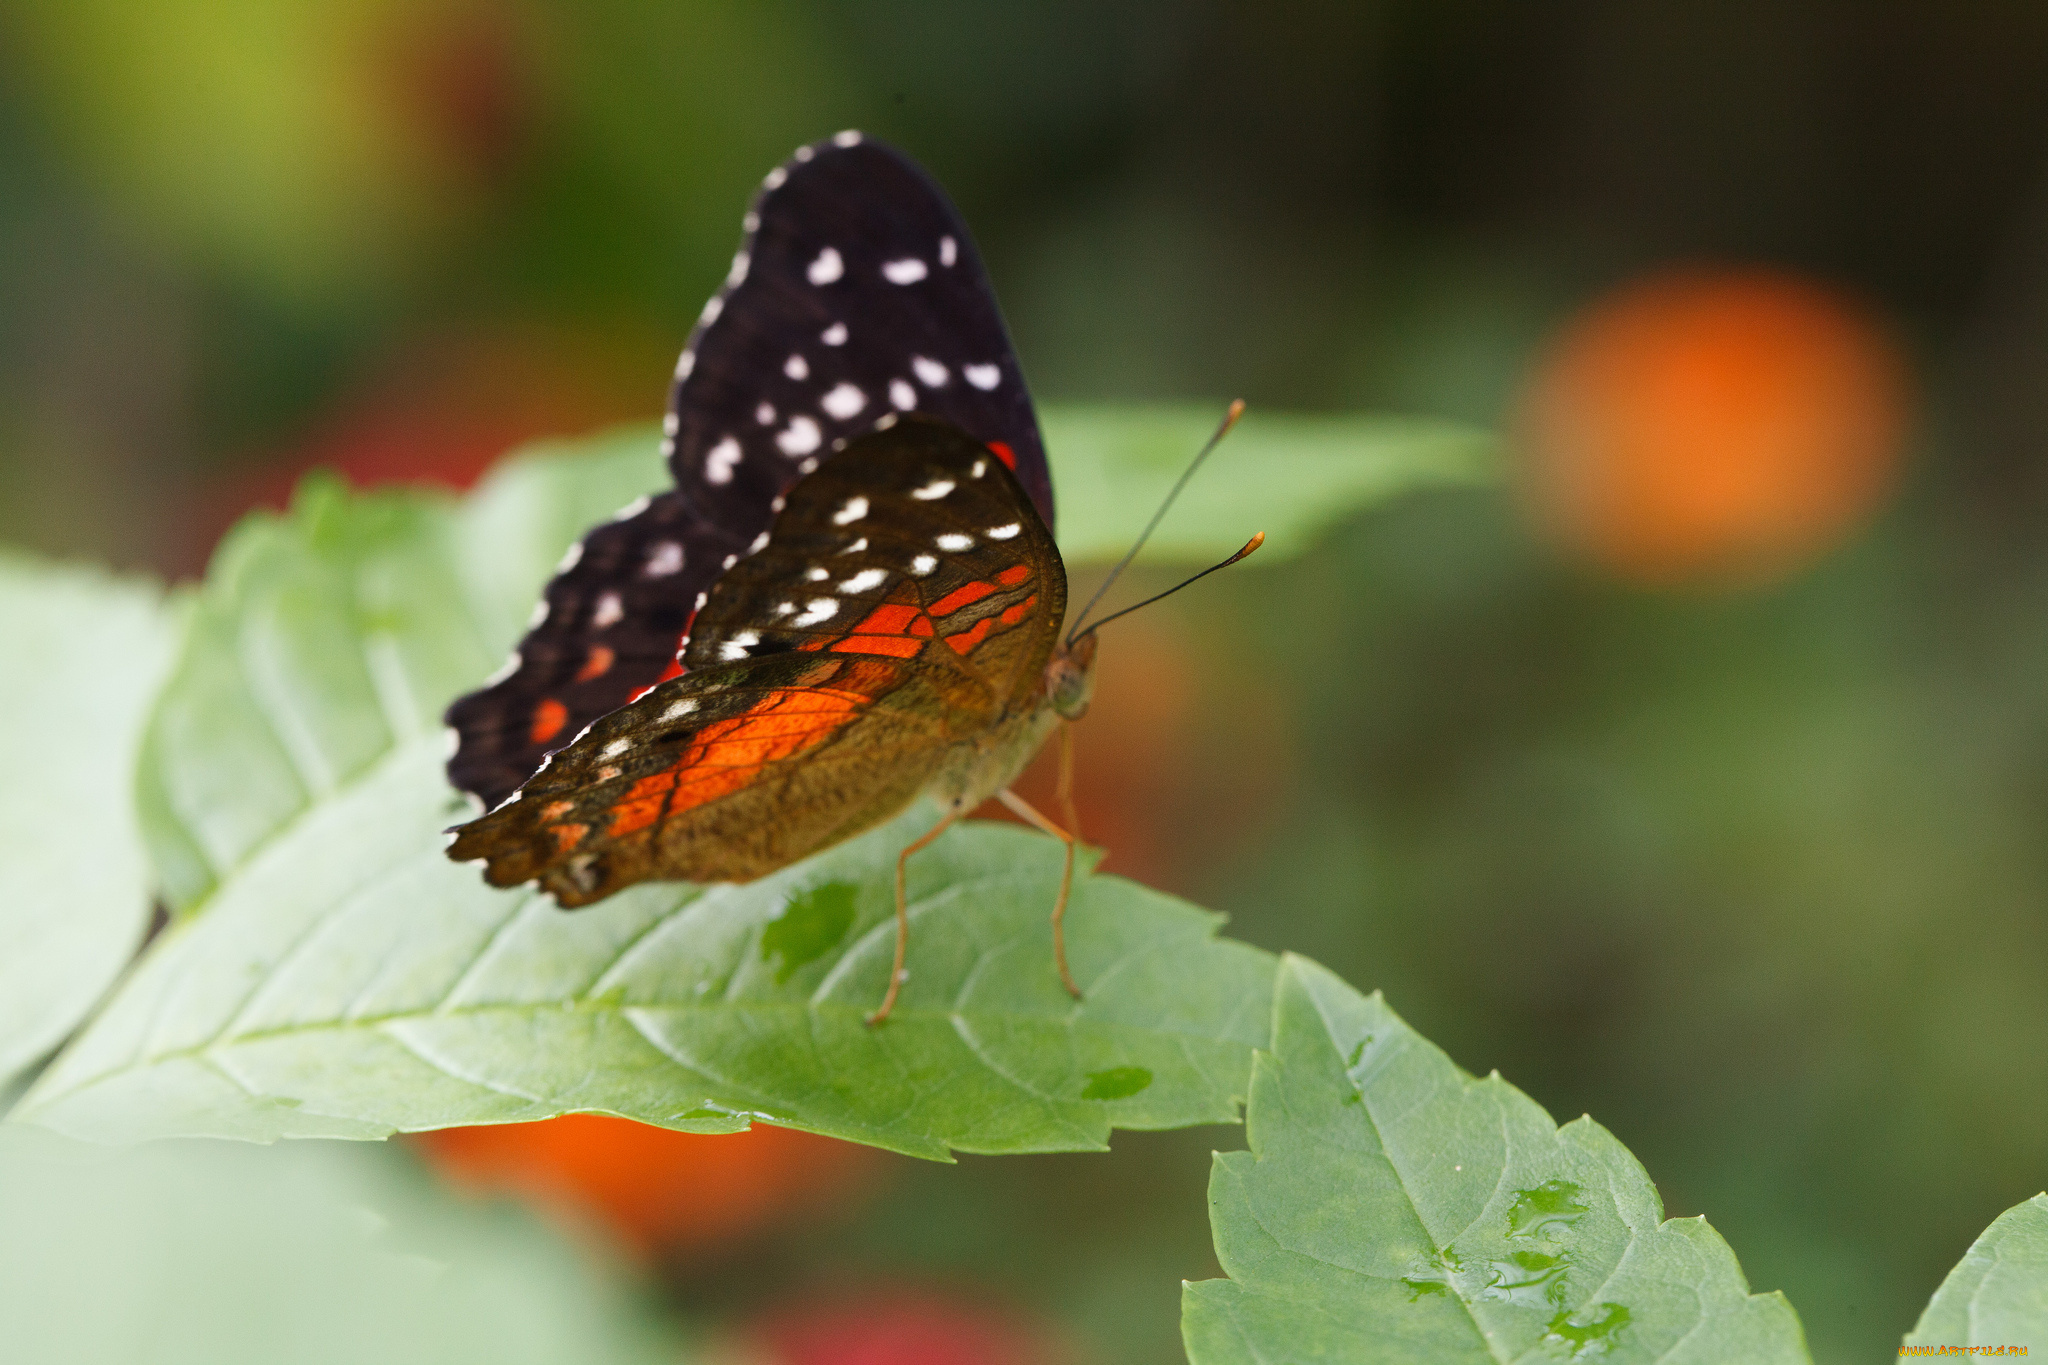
[1254, 543]
[1216, 439]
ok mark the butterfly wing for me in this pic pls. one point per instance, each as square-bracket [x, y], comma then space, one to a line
[856, 292]
[815, 706]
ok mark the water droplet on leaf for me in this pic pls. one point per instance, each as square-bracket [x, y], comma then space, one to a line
[1545, 1211]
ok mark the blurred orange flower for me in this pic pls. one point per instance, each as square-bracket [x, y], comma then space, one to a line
[1712, 425]
[655, 1189]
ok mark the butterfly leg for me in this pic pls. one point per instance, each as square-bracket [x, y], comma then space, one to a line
[896, 973]
[1070, 837]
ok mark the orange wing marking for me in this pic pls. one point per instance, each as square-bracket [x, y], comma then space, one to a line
[1014, 575]
[896, 630]
[597, 664]
[968, 639]
[729, 754]
[962, 596]
[1004, 453]
[548, 719]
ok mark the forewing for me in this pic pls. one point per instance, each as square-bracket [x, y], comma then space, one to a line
[912, 543]
[856, 292]
[719, 775]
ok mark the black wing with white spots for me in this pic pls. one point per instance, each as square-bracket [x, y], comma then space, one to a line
[856, 293]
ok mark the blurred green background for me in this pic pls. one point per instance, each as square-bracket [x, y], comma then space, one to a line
[1751, 869]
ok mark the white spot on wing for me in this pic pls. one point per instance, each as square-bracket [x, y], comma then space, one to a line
[856, 507]
[801, 438]
[505, 670]
[980, 468]
[669, 424]
[817, 611]
[750, 222]
[765, 414]
[713, 306]
[736, 647]
[923, 565]
[849, 138]
[773, 180]
[937, 488]
[677, 710]
[930, 373]
[902, 395]
[796, 367]
[631, 509]
[1003, 532]
[664, 559]
[806, 466]
[843, 401]
[856, 547]
[818, 575]
[537, 615]
[785, 608]
[835, 335]
[759, 541]
[609, 611]
[571, 557]
[738, 273]
[827, 268]
[953, 542]
[949, 251]
[805, 153]
[615, 748]
[685, 363]
[718, 464]
[909, 270]
[983, 376]
[864, 580]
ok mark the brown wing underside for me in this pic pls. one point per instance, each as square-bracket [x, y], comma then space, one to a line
[798, 726]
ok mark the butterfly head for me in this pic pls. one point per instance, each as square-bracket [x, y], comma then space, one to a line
[1070, 678]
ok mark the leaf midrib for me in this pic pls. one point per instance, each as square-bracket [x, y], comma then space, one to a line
[590, 1007]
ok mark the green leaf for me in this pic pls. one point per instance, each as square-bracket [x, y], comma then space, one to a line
[335, 975]
[85, 655]
[1393, 1208]
[1291, 475]
[315, 1253]
[1998, 1293]
[352, 982]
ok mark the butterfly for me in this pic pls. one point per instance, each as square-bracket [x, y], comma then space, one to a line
[850, 598]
